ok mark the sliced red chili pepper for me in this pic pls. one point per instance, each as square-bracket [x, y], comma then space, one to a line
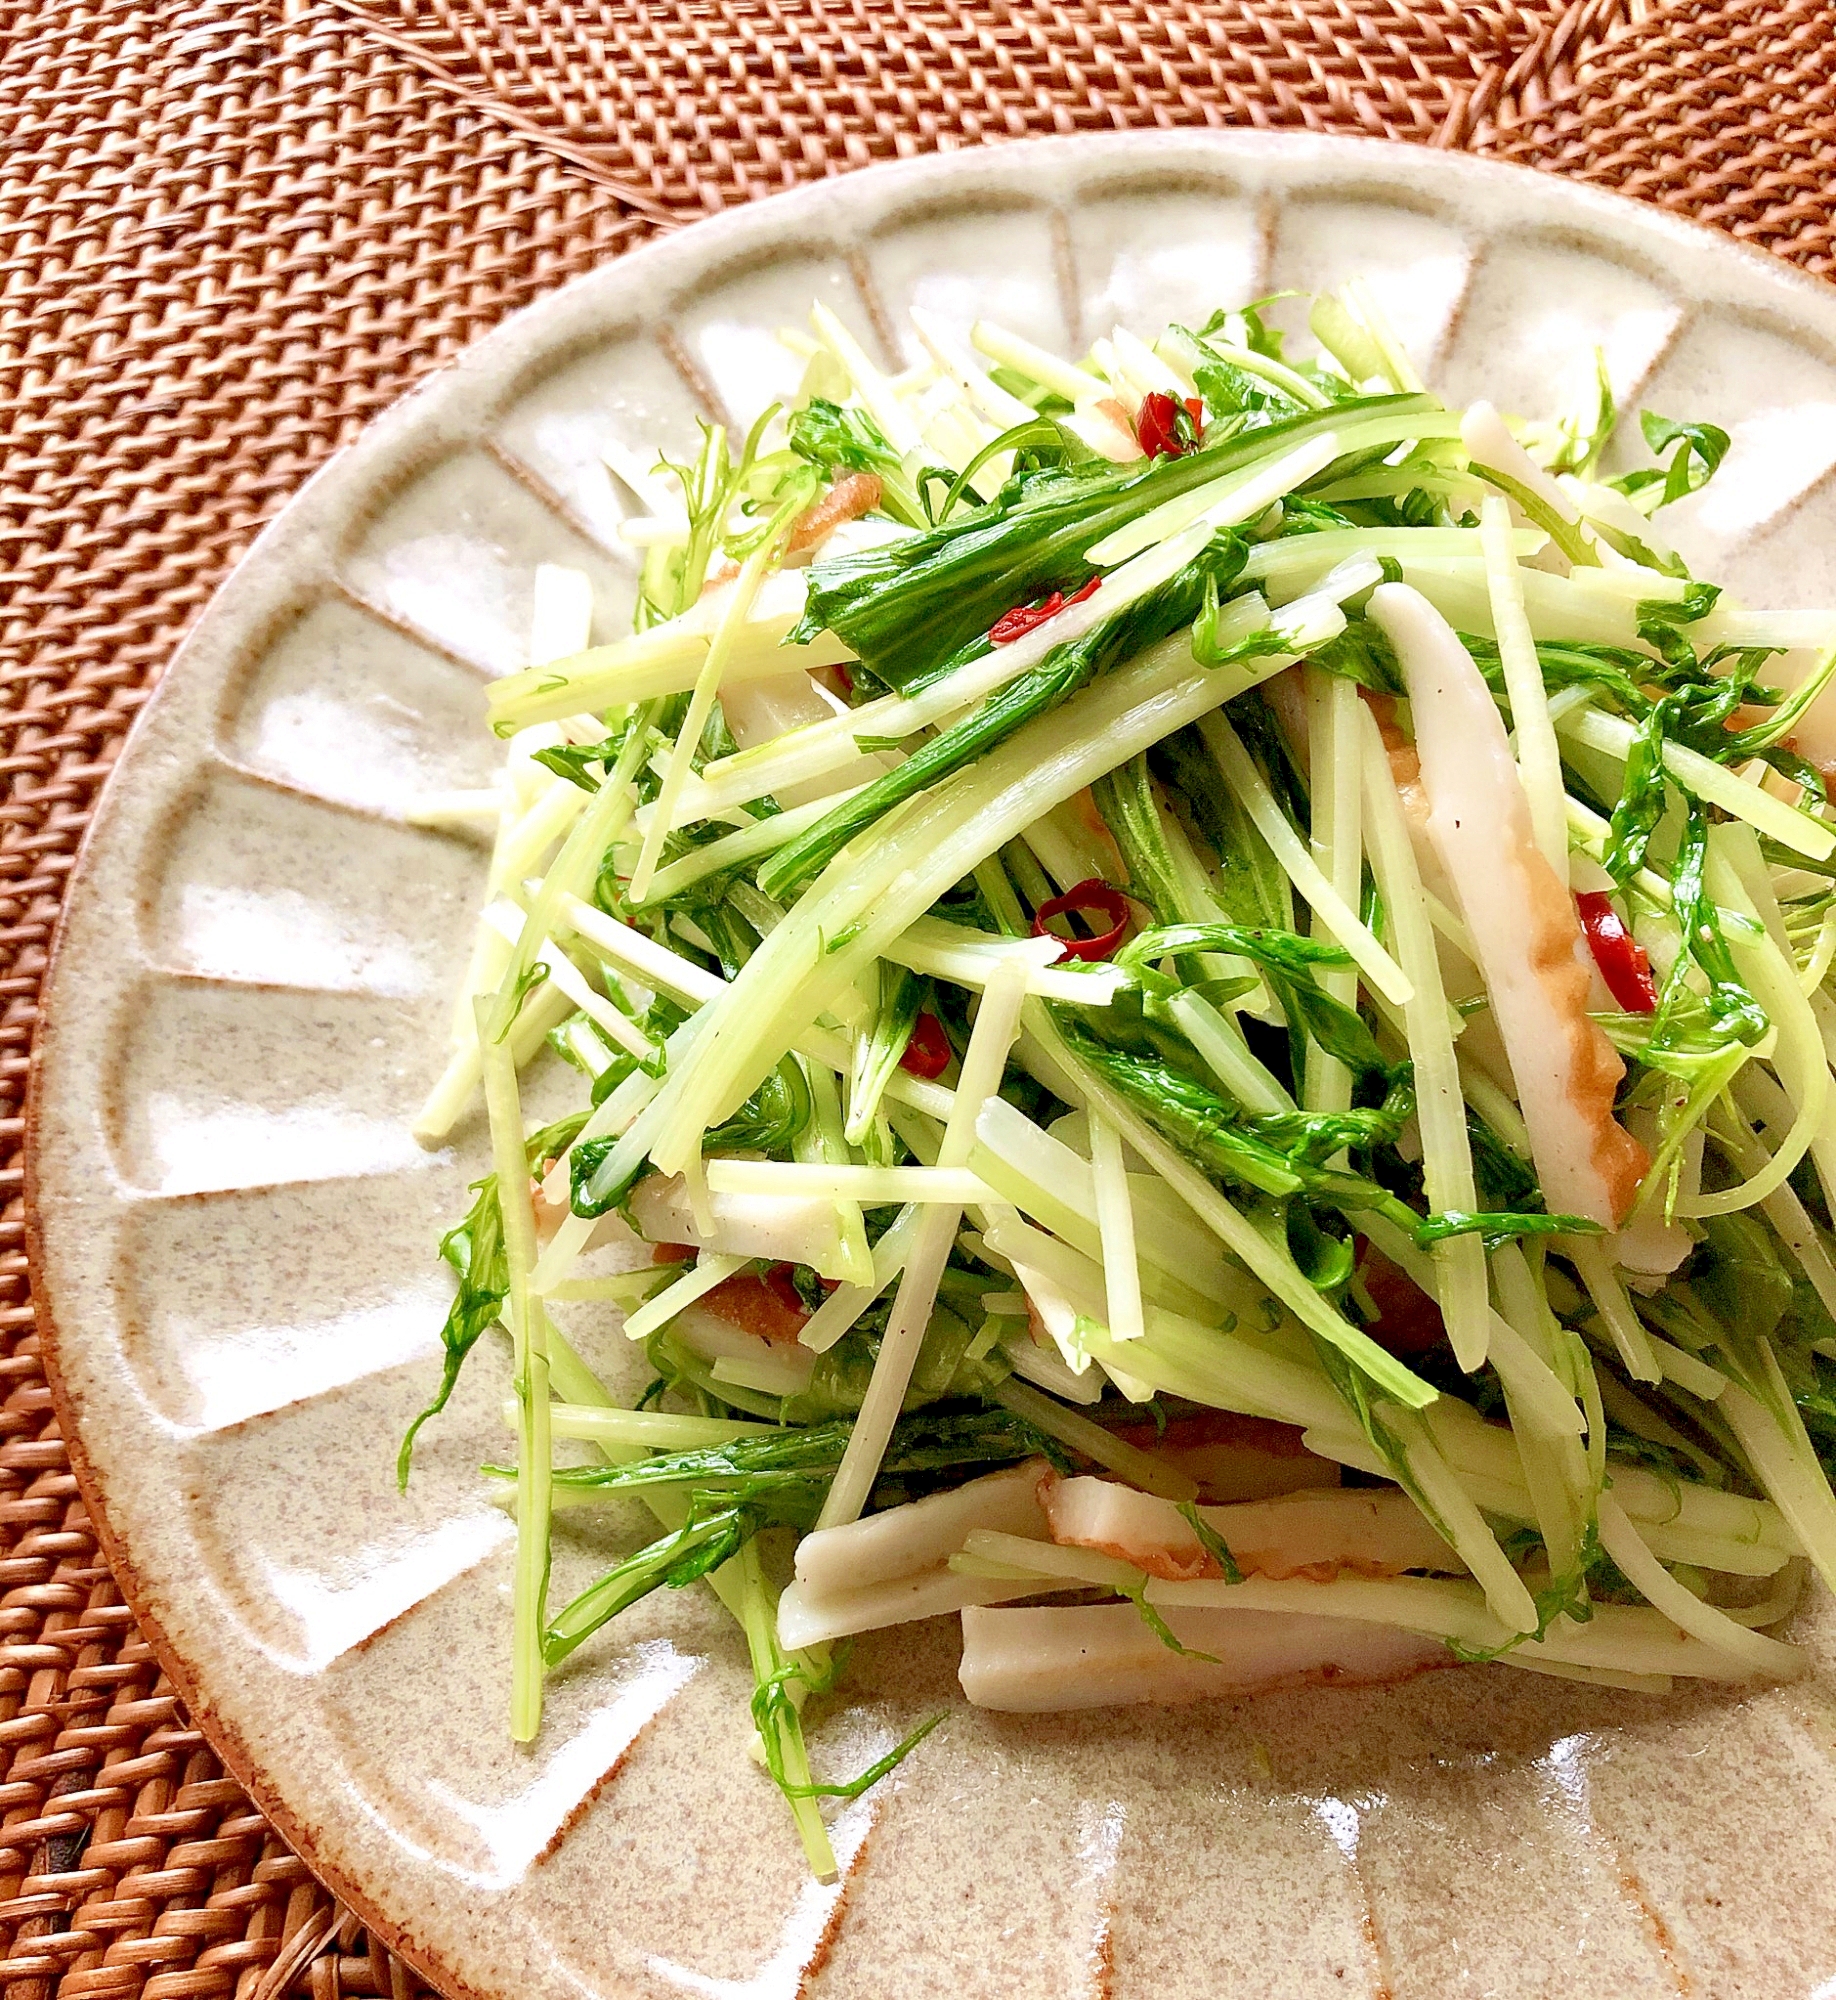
[927, 1054]
[1024, 618]
[845, 677]
[1087, 899]
[1622, 960]
[1166, 429]
[1156, 425]
[1018, 622]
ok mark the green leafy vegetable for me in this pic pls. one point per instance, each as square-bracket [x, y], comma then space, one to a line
[805, 1457]
[714, 1532]
[1700, 448]
[1057, 677]
[1276, 1155]
[877, 1055]
[839, 440]
[575, 762]
[1211, 1542]
[474, 1247]
[910, 603]
[1289, 962]
[1501, 1226]
[771, 1700]
[1733, 1013]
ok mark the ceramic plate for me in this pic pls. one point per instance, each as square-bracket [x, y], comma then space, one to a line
[235, 1230]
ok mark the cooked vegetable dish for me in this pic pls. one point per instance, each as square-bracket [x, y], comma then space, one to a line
[1198, 993]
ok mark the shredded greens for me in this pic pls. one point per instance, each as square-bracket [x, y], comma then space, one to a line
[1067, 1010]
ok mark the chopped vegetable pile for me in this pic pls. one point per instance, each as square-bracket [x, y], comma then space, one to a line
[1200, 996]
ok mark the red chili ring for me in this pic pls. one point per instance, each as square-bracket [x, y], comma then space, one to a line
[1025, 618]
[1093, 896]
[1623, 962]
[927, 1054]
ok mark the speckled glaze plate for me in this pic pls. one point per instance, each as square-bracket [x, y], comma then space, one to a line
[235, 1230]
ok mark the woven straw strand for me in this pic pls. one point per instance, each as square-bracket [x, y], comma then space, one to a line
[231, 233]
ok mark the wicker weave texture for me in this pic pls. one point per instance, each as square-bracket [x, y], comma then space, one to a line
[1728, 116]
[231, 233]
[712, 106]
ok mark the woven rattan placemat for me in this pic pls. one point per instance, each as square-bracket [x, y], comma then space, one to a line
[233, 230]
